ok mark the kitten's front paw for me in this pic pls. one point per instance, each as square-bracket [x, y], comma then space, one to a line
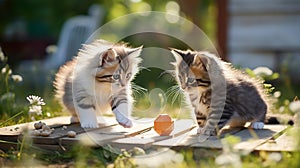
[89, 125]
[87, 117]
[121, 115]
[207, 132]
[125, 122]
[199, 130]
[257, 125]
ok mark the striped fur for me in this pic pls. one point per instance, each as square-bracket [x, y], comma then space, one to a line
[219, 93]
[98, 80]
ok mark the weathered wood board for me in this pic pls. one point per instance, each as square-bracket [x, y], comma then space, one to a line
[191, 137]
[146, 139]
[250, 138]
[104, 136]
[142, 134]
[254, 30]
[60, 132]
[285, 142]
[16, 130]
[11, 134]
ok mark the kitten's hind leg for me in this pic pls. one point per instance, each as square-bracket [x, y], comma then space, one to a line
[74, 119]
[257, 125]
[120, 112]
[236, 121]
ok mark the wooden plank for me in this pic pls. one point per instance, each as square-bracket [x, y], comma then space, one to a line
[9, 135]
[59, 132]
[46, 147]
[104, 136]
[250, 138]
[187, 139]
[250, 59]
[14, 133]
[56, 134]
[8, 145]
[146, 140]
[285, 142]
[16, 130]
[252, 33]
[211, 142]
[238, 7]
[179, 141]
[222, 28]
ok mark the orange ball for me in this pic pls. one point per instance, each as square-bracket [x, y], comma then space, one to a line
[163, 125]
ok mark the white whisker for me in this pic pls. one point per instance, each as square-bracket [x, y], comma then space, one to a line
[138, 90]
[144, 68]
[174, 93]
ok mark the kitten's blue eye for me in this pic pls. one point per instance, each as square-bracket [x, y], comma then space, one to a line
[116, 76]
[128, 75]
[190, 80]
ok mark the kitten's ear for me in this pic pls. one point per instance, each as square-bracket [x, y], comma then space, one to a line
[107, 57]
[200, 60]
[178, 54]
[135, 52]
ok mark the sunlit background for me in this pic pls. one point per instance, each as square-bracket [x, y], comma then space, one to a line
[35, 35]
[39, 36]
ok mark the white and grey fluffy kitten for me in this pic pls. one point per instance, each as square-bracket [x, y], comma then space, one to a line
[219, 93]
[97, 81]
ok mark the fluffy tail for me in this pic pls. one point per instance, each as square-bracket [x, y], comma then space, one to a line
[63, 85]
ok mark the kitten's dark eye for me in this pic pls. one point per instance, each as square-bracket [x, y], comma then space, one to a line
[128, 75]
[116, 76]
[190, 80]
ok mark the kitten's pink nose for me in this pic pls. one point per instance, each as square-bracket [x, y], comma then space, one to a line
[183, 86]
[122, 83]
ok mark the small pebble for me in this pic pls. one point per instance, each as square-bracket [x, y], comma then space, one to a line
[45, 133]
[46, 128]
[39, 125]
[36, 133]
[71, 134]
[64, 127]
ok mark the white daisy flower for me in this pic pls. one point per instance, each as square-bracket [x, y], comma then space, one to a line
[35, 100]
[228, 159]
[17, 78]
[2, 57]
[263, 71]
[6, 70]
[295, 106]
[48, 114]
[35, 110]
[275, 156]
[51, 49]
[277, 94]
[32, 118]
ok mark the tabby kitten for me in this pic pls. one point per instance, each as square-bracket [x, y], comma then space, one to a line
[219, 93]
[98, 80]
